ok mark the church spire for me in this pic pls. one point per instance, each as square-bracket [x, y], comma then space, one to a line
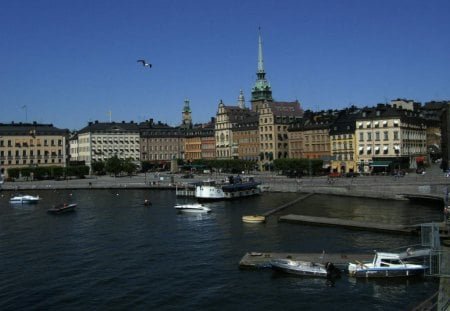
[241, 100]
[260, 54]
[261, 91]
[187, 115]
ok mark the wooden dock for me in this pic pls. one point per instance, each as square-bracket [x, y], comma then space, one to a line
[258, 260]
[349, 224]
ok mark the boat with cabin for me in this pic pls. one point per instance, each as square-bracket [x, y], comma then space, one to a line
[24, 199]
[234, 187]
[386, 264]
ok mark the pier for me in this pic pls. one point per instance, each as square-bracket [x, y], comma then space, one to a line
[349, 224]
[281, 207]
[259, 260]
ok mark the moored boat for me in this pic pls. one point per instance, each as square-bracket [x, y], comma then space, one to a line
[192, 208]
[24, 199]
[305, 268]
[386, 265]
[235, 187]
[63, 208]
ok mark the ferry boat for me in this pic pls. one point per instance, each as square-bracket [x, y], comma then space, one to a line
[24, 199]
[235, 187]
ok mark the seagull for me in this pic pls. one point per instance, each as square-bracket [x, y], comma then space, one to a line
[144, 63]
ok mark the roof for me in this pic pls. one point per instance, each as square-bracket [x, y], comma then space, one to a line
[286, 108]
[109, 127]
[34, 128]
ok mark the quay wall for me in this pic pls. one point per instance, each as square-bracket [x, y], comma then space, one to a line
[434, 183]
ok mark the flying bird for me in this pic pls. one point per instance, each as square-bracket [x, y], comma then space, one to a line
[144, 63]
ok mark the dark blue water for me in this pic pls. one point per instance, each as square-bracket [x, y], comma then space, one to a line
[113, 253]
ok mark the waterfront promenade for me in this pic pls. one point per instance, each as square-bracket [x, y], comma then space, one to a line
[432, 184]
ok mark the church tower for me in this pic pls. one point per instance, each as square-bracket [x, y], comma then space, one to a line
[187, 115]
[241, 100]
[262, 91]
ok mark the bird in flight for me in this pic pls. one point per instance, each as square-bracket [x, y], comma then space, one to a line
[144, 63]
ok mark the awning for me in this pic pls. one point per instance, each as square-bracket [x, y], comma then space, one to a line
[381, 163]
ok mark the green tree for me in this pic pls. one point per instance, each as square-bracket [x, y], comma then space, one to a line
[114, 165]
[98, 167]
[129, 166]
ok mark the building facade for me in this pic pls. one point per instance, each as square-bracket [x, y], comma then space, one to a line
[100, 141]
[389, 139]
[161, 143]
[274, 121]
[31, 145]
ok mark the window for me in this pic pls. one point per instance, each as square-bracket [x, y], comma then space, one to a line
[385, 135]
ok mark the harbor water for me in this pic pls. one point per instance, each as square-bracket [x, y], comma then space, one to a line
[114, 253]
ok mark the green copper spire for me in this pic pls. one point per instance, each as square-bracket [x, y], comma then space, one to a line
[186, 107]
[187, 115]
[261, 91]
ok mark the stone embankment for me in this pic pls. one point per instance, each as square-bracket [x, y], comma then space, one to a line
[433, 184]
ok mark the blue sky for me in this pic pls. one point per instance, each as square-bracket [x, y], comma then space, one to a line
[70, 62]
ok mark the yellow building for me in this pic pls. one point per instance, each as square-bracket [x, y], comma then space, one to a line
[274, 121]
[32, 144]
[388, 138]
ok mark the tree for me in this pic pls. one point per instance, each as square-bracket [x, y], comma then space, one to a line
[129, 166]
[98, 167]
[114, 165]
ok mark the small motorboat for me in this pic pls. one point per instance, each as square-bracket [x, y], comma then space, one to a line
[253, 219]
[305, 268]
[24, 199]
[386, 265]
[192, 208]
[63, 208]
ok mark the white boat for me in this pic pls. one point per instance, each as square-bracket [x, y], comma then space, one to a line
[305, 268]
[192, 208]
[234, 187]
[24, 199]
[386, 265]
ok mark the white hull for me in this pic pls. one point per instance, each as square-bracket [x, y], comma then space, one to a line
[192, 208]
[24, 199]
[386, 265]
[217, 193]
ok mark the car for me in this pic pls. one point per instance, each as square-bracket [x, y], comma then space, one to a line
[187, 176]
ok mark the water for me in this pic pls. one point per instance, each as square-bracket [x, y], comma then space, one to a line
[114, 253]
